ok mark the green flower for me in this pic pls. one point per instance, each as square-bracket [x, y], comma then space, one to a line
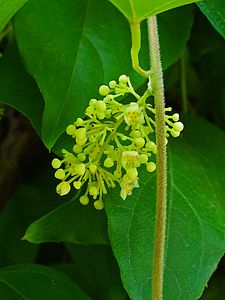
[110, 143]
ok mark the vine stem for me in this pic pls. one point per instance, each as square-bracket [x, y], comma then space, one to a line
[157, 86]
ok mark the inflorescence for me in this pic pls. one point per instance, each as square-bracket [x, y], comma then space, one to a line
[111, 143]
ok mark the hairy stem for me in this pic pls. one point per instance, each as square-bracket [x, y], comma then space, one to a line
[136, 46]
[161, 161]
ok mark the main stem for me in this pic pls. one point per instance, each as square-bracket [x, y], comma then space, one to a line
[161, 161]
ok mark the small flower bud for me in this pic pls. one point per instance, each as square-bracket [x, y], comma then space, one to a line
[81, 156]
[93, 190]
[81, 136]
[79, 169]
[90, 110]
[99, 205]
[178, 126]
[151, 166]
[108, 163]
[104, 90]
[174, 133]
[92, 102]
[63, 188]
[100, 115]
[77, 148]
[123, 79]
[81, 133]
[79, 122]
[84, 200]
[81, 141]
[100, 106]
[60, 174]
[56, 163]
[150, 146]
[77, 184]
[71, 130]
[136, 133]
[92, 168]
[143, 158]
[112, 84]
[176, 117]
[139, 142]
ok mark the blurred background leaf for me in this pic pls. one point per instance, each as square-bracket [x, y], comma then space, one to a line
[18, 89]
[95, 271]
[34, 282]
[215, 12]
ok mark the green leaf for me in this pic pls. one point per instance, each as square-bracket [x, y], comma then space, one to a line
[71, 48]
[173, 38]
[96, 272]
[8, 9]
[195, 223]
[69, 64]
[215, 12]
[18, 89]
[138, 10]
[70, 222]
[14, 218]
[35, 282]
[24, 207]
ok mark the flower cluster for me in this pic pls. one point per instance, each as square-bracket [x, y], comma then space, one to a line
[111, 143]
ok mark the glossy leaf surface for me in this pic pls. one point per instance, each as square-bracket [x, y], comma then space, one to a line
[35, 282]
[69, 62]
[8, 9]
[70, 222]
[138, 10]
[195, 223]
[70, 51]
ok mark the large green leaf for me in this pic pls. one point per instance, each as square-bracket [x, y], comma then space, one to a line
[215, 12]
[35, 282]
[70, 222]
[18, 89]
[71, 47]
[138, 10]
[172, 43]
[195, 224]
[8, 9]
